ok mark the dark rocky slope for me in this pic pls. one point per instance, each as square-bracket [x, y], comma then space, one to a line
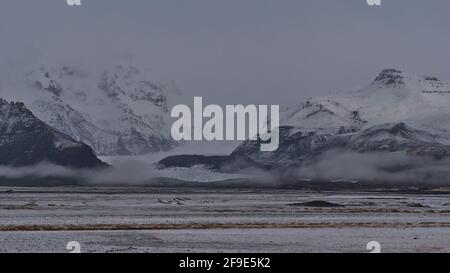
[26, 140]
[299, 148]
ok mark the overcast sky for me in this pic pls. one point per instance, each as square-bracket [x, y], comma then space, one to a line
[235, 51]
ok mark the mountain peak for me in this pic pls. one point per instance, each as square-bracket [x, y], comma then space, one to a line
[115, 109]
[434, 82]
[13, 109]
[390, 77]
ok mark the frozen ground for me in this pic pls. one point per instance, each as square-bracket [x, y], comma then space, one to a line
[130, 219]
[334, 240]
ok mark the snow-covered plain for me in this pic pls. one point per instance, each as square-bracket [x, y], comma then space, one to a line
[328, 240]
[130, 219]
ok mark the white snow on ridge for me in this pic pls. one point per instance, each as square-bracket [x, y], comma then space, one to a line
[422, 102]
[117, 112]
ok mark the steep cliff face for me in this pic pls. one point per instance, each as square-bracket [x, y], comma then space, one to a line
[26, 140]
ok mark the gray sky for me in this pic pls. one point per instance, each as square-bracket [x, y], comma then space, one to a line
[235, 51]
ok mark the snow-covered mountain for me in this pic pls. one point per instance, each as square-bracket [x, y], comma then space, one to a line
[26, 140]
[395, 113]
[299, 148]
[117, 111]
[392, 97]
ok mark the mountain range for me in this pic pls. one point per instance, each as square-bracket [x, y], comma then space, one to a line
[396, 113]
[119, 112]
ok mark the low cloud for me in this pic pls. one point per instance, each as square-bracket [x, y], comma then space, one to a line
[395, 167]
[127, 172]
[379, 168]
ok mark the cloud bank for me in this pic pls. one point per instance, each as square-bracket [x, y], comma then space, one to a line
[382, 168]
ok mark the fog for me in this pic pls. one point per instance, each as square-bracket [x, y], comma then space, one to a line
[390, 167]
[335, 166]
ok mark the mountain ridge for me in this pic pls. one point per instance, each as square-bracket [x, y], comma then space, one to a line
[117, 111]
[25, 140]
[380, 118]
